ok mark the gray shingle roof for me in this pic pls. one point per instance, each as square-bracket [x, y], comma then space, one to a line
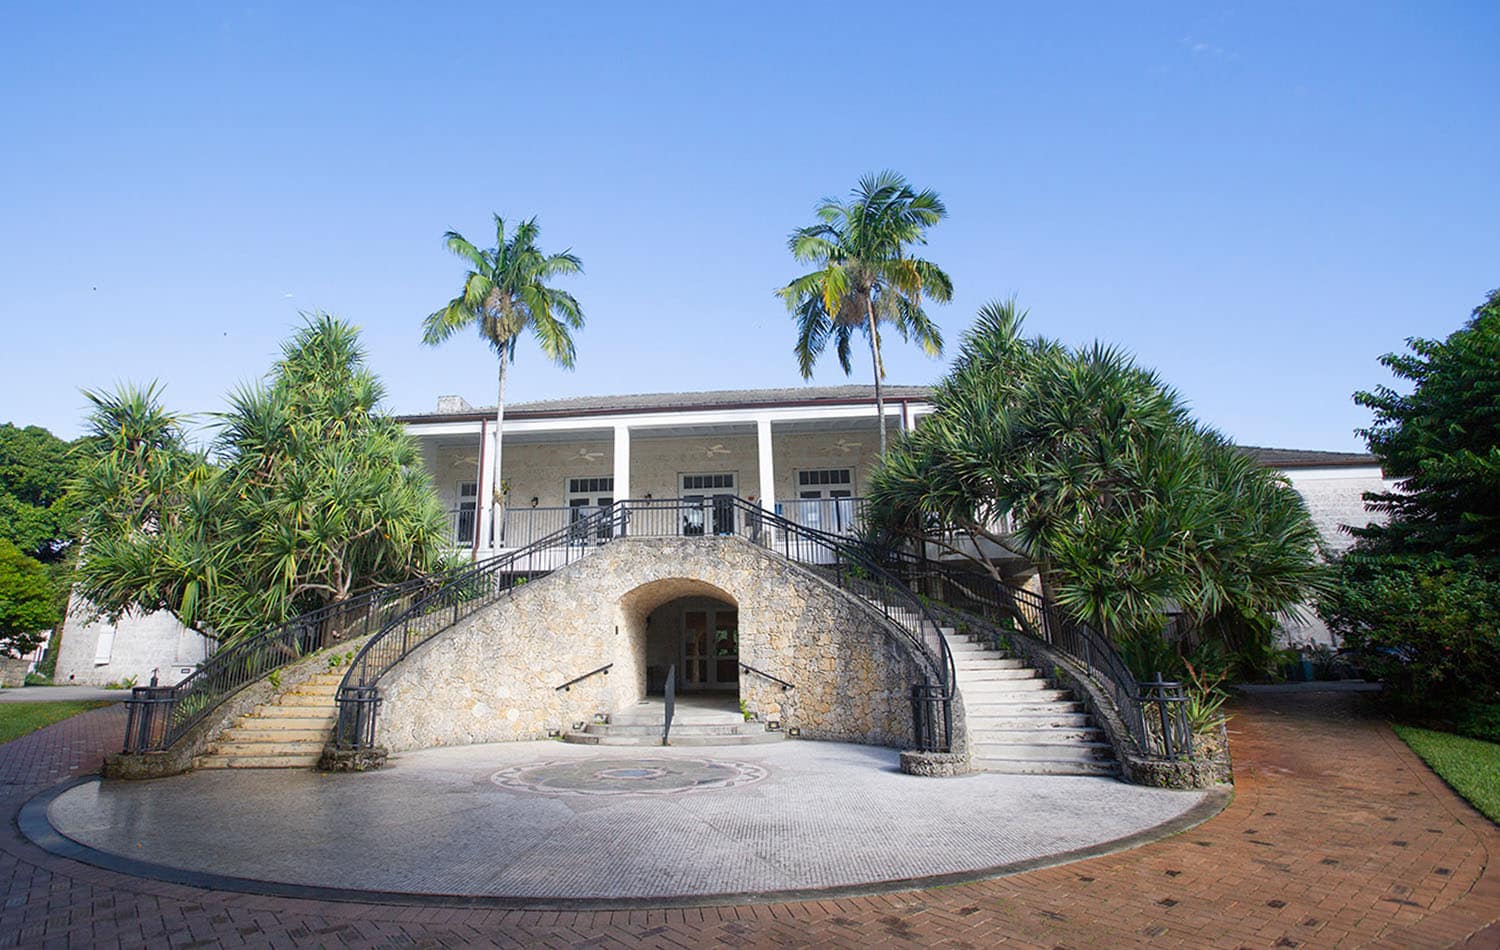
[1306, 458]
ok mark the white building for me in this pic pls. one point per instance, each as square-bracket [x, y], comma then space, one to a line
[805, 453]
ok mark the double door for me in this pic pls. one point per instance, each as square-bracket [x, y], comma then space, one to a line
[708, 504]
[710, 648]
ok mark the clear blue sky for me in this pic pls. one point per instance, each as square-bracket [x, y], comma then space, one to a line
[1257, 200]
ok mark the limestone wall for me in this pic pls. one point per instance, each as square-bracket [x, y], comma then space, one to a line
[96, 652]
[493, 678]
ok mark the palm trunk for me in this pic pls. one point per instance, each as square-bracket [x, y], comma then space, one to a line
[497, 500]
[879, 372]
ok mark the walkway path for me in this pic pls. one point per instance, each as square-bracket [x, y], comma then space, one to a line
[1338, 836]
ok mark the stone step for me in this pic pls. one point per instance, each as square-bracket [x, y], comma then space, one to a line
[1021, 691]
[759, 738]
[297, 760]
[987, 672]
[1046, 751]
[286, 722]
[1045, 719]
[1043, 767]
[678, 728]
[297, 711]
[981, 732]
[1017, 707]
[987, 658]
[262, 733]
[269, 747]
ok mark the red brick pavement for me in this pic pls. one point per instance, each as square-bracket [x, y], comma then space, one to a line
[1338, 836]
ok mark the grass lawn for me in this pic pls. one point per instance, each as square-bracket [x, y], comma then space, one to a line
[1472, 767]
[17, 719]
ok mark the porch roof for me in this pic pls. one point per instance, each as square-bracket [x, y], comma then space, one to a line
[681, 402]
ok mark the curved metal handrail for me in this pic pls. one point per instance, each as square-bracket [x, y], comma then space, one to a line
[490, 580]
[1168, 737]
[160, 715]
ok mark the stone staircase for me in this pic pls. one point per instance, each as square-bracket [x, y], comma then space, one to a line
[287, 733]
[1018, 722]
[695, 722]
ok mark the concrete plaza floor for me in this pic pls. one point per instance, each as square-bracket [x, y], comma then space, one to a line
[547, 821]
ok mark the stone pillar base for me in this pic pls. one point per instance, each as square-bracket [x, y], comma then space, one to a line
[351, 760]
[935, 764]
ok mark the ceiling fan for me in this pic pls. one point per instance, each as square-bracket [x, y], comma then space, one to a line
[584, 455]
[716, 449]
[845, 446]
[466, 461]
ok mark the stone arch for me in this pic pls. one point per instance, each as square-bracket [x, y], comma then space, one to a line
[638, 604]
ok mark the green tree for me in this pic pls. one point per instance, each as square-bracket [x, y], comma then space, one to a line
[309, 496]
[28, 605]
[1092, 468]
[1419, 596]
[35, 514]
[506, 293]
[866, 277]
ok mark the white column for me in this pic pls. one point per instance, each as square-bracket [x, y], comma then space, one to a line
[482, 501]
[622, 462]
[767, 465]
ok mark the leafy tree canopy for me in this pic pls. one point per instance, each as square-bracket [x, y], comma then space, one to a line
[1090, 466]
[1441, 441]
[1420, 595]
[308, 496]
[27, 605]
[35, 513]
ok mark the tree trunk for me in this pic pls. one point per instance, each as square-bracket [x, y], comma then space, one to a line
[879, 372]
[496, 499]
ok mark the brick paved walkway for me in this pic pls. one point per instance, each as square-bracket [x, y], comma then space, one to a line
[1338, 836]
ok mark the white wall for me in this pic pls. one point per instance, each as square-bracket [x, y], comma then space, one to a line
[1334, 497]
[102, 652]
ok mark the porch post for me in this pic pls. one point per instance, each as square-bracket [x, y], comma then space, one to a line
[483, 504]
[767, 465]
[622, 462]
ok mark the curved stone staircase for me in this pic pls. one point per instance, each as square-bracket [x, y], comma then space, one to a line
[1018, 722]
[287, 733]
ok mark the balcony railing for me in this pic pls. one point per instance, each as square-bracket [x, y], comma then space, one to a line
[521, 527]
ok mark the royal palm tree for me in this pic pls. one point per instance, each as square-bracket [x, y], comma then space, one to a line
[506, 293]
[865, 276]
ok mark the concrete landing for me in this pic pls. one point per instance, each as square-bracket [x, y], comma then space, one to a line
[547, 823]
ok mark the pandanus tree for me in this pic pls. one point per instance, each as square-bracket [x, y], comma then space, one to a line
[507, 292]
[866, 276]
[308, 497]
[1092, 468]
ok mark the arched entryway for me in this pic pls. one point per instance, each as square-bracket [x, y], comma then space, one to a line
[689, 626]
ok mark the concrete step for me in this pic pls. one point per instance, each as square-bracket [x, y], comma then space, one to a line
[987, 659]
[1043, 767]
[288, 761]
[1045, 751]
[759, 738]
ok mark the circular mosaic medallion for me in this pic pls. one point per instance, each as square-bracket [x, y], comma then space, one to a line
[628, 776]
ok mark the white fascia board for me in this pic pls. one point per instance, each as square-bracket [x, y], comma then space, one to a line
[1332, 471]
[666, 420]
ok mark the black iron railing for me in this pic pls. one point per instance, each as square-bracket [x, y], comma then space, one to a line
[846, 564]
[1154, 713]
[603, 670]
[767, 676]
[157, 716]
